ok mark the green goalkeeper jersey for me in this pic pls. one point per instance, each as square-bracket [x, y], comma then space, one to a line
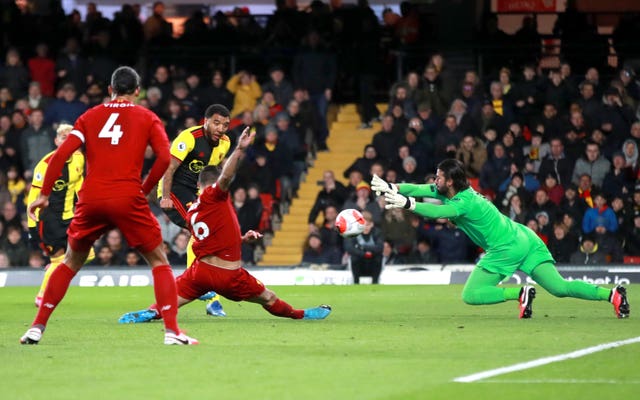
[508, 244]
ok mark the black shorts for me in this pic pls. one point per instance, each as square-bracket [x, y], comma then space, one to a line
[52, 232]
[182, 199]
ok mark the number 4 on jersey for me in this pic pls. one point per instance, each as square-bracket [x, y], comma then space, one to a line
[111, 130]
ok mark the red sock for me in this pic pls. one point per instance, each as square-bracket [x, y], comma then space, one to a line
[54, 292]
[164, 287]
[283, 309]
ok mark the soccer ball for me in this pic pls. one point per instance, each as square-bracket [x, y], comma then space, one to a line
[350, 222]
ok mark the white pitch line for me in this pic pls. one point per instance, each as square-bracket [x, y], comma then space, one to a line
[563, 381]
[543, 361]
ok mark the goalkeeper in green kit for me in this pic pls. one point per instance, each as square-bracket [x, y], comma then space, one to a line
[508, 245]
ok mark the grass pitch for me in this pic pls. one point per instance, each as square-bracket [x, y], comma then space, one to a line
[380, 342]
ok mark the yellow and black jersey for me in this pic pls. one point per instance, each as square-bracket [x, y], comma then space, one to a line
[194, 150]
[65, 189]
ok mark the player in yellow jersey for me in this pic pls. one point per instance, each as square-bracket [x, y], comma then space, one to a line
[193, 149]
[51, 226]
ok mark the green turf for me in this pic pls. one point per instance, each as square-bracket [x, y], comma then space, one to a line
[381, 342]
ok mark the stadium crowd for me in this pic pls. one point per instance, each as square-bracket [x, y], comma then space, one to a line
[553, 148]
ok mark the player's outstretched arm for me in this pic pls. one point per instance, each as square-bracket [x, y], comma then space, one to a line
[231, 166]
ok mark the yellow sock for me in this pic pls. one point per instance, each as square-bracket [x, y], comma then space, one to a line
[91, 256]
[191, 256]
[55, 261]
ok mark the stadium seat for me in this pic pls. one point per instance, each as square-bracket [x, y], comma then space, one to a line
[631, 259]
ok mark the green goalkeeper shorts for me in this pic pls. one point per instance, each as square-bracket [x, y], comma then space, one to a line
[525, 252]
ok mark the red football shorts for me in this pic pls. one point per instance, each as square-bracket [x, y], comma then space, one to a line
[233, 284]
[131, 215]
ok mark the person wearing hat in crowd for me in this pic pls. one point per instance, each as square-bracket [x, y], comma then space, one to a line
[545, 226]
[588, 253]
[363, 201]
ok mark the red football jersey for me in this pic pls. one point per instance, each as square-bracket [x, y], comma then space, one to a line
[214, 225]
[115, 136]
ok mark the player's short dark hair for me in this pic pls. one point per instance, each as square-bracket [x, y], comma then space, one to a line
[125, 80]
[208, 175]
[217, 109]
[454, 169]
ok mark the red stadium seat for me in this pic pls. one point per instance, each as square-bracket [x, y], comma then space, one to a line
[631, 259]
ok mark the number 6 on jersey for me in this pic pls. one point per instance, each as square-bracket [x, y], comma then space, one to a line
[111, 130]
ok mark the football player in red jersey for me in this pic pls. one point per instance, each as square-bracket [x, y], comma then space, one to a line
[218, 265]
[115, 136]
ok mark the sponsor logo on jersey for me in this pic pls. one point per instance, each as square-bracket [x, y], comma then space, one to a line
[59, 185]
[38, 176]
[196, 166]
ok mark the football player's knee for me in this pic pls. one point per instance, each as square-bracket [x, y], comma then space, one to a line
[469, 297]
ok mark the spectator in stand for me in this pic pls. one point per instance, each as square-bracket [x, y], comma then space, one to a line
[42, 69]
[66, 108]
[449, 135]
[187, 102]
[450, 244]
[217, 92]
[363, 201]
[472, 154]
[386, 141]
[433, 91]
[173, 118]
[258, 171]
[495, 170]
[133, 258]
[630, 153]
[616, 118]
[556, 90]
[409, 172]
[249, 213]
[552, 122]
[541, 202]
[36, 140]
[562, 244]
[588, 253]
[71, 66]
[157, 30]
[632, 237]
[15, 247]
[6, 101]
[314, 69]
[526, 94]
[599, 215]
[364, 163]
[389, 254]
[515, 209]
[13, 138]
[554, 190]
[327, 230]
[246, 92]
[365, 251]
[620, 180]
[14, 75]
[315, 253]
[501, 104]
[178, 254]
[537, 150]
[591, 106]
[399, 96]
[556, 162]
[514, 185]
[463, 117]
[279, 159]
[114, 239]
[277, 84]
[333, 192]
[487, 118]
[104, 257]
[397, 226]
[593, 164]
